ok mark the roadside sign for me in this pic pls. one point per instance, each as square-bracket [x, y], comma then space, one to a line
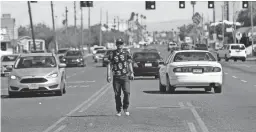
[238, 35]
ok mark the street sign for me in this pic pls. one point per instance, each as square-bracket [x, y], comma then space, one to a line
[238, 35]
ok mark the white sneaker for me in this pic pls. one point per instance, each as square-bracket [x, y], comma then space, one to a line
[118, 114]
[127, 113]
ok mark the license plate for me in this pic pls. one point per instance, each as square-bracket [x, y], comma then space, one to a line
[148, 64]
[33, 86]
[197, 70]
[238, 51]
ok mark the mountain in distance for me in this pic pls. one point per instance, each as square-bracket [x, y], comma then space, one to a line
[166, 25]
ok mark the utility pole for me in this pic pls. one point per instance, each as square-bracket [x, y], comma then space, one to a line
[223, 25]
[252, 27]
[227, 6]
[89, 23]
[75, 14]
[234, 26]
[82, 29]
[66, 20]
[107, 17]
[100, 26]
[118, 22]
[53, 26]
[31, 25]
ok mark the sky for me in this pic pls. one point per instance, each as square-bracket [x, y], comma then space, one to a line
[165, 11]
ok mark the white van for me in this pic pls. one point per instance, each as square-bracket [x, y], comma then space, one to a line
[232, 51]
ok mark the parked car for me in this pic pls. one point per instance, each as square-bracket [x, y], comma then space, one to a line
[191, 69]
[7, 61]
[37, 72]
[232, 51]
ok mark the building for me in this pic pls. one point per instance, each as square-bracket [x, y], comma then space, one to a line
[9, 34]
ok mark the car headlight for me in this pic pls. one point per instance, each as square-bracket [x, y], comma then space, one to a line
[77, 60]
[13, 77]
[53, 75]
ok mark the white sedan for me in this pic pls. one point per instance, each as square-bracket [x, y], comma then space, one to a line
[191, 69]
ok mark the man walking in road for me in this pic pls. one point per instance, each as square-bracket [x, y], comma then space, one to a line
[120, 63]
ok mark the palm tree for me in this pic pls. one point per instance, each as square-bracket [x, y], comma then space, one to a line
[193, 3]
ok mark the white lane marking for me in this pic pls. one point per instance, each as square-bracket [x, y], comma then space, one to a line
[192, 127]
[247, 66]
[181, 104]
[85, 86]
[198, 118]
[60, 128]
[146, 107]
[225, 73]
[93, 101]
[76, 82]
[254, 85]
[234, 76]
[90, 81]
[243, 81]
[75, 109]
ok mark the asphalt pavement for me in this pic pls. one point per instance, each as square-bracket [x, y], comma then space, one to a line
[89, 105]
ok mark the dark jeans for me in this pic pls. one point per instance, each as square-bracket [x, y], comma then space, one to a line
[123, 83]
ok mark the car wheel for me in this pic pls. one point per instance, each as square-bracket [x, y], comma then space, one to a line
[208, 89]
[217, 89]
[243, 59]
[162, 88]
[226, 58]
[169, 88]
[59, 92]
[156, 76]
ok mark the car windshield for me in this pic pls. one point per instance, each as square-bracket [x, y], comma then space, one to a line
[9, 58]
[74, 53]
[240, 47]
[101, 51]
[201, 45]
[145, 55]
[193, 56]
[62, 51]
[35, 62]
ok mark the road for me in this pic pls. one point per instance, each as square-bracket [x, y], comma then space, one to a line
[89, 105]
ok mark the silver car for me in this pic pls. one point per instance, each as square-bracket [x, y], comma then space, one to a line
[37, 72]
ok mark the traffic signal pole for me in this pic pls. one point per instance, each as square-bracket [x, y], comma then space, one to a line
[31, 25]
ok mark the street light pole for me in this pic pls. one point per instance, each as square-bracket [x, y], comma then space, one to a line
[100, 26]
[31, 25]
[82, 29]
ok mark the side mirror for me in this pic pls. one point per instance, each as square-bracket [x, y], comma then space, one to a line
[161, 63]
[62, 65]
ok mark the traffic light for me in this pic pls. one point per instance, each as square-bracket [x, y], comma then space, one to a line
[245, 4]
[182, 4]
[210, 4]
[150, 5]
[86, 3]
